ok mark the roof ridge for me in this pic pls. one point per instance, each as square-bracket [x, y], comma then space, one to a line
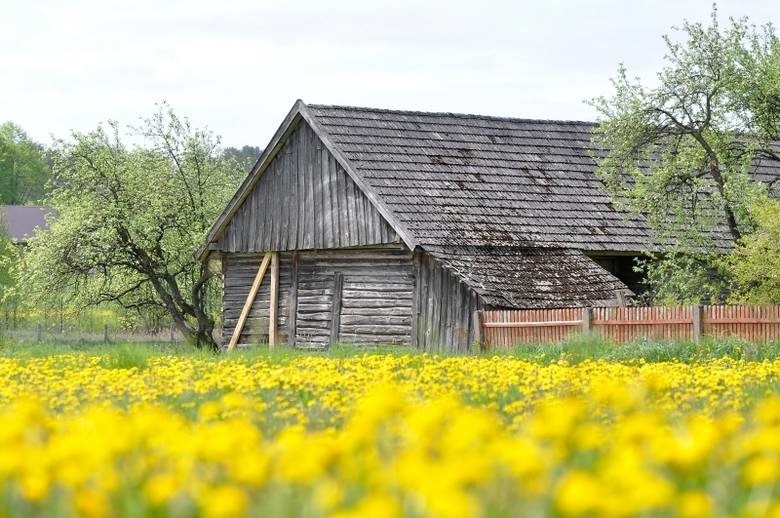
[451, 114]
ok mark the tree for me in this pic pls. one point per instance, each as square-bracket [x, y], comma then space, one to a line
[755, 262]
[9, 262]
[24, 169]
[246, 156]
[131, 217]
[680, 152]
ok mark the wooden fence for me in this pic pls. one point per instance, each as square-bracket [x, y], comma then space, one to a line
[504, 328]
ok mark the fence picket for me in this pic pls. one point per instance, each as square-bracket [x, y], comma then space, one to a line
[505, 328]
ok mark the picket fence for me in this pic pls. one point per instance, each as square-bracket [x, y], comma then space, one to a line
[505, 328]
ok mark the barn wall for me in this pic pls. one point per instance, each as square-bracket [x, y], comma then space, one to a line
[445, 309]
[376, 296]
[305, 200]
[239, 271]
[375, 299]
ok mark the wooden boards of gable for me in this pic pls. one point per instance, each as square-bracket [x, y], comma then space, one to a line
[305, 200]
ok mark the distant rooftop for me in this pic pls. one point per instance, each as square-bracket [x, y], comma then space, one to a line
[20, 221]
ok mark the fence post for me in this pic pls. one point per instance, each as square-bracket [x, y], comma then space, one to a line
[697, 311]
[477, 318]
[587, 319]
[39, 332]
[105, 333]
[172, 332]
[62, 317]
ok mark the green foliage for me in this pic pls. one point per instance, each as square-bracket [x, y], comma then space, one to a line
[755, 262]
[679, 278]
[138, 355]
[130, 218]
[679, 152]
[245, 157]
[10, 260]
[24, 169]
[593, 348]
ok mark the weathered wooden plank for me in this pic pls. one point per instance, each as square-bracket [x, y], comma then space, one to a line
[274, 303]
[306, 145]
[335, 322]
[344, 227]
[326, 211]
[362, 339]
[415, 298]
[401, 320]
[422, 322]
[396, 298]
[354, 215]
[381, 329]
[292, 301]
[394, 310]
[336, 202]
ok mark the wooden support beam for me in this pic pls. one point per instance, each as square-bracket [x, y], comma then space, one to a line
[273, 310]
[250, 299]
[696, 332]
[587, 320]
[292, 301]
[477, 323]
[335, 316]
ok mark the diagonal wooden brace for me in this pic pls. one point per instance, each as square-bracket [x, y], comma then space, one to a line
[250, 299]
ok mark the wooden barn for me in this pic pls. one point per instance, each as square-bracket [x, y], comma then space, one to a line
[393, 227]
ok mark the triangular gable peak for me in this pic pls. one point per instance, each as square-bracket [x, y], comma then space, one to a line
[304, 200]
[302, 194]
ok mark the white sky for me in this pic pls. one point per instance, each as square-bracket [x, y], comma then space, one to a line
[237, 66]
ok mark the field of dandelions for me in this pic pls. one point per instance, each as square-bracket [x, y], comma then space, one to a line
[387, 435]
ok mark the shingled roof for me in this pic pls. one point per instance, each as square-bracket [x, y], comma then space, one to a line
[531, 277]
[472, 180]
[455, 179]
[509, 205]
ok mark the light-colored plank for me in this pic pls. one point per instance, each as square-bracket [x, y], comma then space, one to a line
[274, 305]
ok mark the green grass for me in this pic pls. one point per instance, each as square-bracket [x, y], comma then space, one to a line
[583, 348]
[137, 354]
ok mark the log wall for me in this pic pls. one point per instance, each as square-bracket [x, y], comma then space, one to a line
[239, 271]
[361, 295]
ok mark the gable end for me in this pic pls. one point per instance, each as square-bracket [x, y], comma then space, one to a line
[304, 200]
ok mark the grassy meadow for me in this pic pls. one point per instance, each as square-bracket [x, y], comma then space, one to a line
[573, 429]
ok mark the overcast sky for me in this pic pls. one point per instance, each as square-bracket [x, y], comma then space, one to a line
[238, 66]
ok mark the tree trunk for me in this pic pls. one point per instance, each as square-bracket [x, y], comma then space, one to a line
[731, 220]
[201, 335]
